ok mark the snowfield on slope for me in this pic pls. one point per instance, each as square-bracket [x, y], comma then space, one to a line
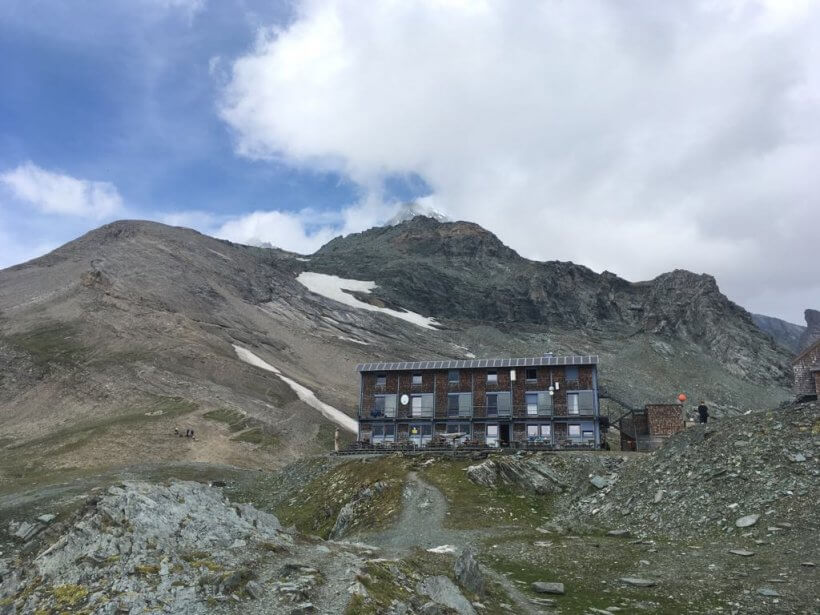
[334, 287]
[304, 393]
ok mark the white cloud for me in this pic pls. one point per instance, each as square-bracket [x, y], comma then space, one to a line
[636, 137]
[303, 231]
[57, 193]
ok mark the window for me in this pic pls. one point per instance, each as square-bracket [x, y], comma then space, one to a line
[588, 436]
[383, 433]
[532, 404]
[416, 377]
[532, 432]
[492, 377]
[574, 431]
[492, 405]
[453, 376]
[421, 433]
[532, 374]
[378, 406]
[381, 379]
[546, 431]
[572, 403]
[571, 372]
[452, 405]
[463, 428]
[422, 405]
[390, 405]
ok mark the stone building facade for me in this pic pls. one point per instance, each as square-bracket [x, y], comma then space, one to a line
[806, 368]
[547, 400]
[649, 428]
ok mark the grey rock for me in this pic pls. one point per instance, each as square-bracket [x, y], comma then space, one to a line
[747, 521]
[808, 564]
[303, 608]
[47, 518]
[468, 573]
[543, 587]
[658, 496]
[27, 531]
[796, 457]
[742, 552]
[442, 590]
[431, 608]
[638, 582]
[768, 592]
[623, 533]
[599, 482]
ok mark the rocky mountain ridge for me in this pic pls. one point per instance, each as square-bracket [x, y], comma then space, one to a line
[461, 271]
[110, 342]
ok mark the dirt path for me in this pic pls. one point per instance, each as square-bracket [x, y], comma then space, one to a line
[421, 524]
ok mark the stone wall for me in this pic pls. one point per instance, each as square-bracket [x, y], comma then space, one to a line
[804, 379]
[664, 419]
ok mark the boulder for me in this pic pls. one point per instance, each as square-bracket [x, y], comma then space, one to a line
[543, 587]
[443, 591]
[637, 582]
[599, 482]
[747, 521]
[468, 572]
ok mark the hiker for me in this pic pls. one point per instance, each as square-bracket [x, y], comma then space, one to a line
[176, 431]
[336, 440]
[703, 412]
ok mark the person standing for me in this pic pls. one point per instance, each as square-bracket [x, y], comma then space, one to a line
[336, 442]
[703, 411]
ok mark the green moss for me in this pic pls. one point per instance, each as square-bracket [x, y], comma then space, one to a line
[315, 507]
[472, 506]
[146, 569]
[69, 595]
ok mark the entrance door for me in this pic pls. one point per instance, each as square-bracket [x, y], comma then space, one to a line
[504, 435]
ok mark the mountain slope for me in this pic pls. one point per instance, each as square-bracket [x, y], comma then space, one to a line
[114, 339]
[783, 332]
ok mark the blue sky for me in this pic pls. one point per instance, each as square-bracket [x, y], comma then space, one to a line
[127, 93]
[630, 137]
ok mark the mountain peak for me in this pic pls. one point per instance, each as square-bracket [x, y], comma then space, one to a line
[413, 209]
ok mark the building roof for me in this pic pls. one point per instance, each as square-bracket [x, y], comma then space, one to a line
[479, 363]
[806, 351]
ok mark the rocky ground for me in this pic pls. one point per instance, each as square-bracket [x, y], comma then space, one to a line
[720, 520]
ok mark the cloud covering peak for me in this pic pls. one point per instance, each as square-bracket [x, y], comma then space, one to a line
[634, 137]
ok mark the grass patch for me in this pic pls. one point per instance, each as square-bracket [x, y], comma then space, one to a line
[56, 343]
[315, 507]
[69, 595]
[258, 436]
[472, 506]
[235, 420]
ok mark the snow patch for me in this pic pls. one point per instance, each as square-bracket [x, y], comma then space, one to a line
[334, 287]
[304, 393]
[443, 549]
[352, 339]
[302, 258]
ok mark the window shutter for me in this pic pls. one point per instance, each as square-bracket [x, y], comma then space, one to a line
[390, 405]
[586, 401]
[504, 403]
[544, 403]
[465, 404]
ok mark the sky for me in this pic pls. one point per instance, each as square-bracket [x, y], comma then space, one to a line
[635, 137]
